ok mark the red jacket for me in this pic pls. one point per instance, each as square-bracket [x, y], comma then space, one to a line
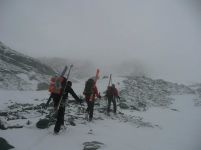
[93, 96]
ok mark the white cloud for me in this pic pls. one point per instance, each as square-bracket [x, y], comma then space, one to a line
[165, 35]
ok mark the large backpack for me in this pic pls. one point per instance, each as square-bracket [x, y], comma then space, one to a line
[55, 86]
[89, 85]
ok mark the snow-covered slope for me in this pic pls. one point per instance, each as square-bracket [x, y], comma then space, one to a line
[141, 92]
[18, 71]
[197, 89]
[176, 127]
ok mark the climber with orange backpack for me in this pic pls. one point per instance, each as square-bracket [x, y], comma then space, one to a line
[59, 89]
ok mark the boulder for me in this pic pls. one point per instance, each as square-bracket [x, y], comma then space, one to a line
[43, 123]
[94, 145]
[123, 106]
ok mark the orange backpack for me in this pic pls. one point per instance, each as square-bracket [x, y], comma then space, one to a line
[56, 85]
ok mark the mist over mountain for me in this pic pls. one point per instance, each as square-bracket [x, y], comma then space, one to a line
[85, 68]
[81, 68]
[132, 68]
[22, 72]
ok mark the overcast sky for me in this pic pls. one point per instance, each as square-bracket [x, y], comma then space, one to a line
[164, 35]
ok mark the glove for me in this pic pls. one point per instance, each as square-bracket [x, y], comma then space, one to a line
[45, 106]
[118, 98]
[82, 104]
[81, 101]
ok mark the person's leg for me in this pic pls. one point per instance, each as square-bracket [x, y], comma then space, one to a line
[56, 99]
[108, 105]
[60, 119]
[114, 105]
[62, 115]
[88, 105]
[87, 110]
[87, 101]
[91, 109]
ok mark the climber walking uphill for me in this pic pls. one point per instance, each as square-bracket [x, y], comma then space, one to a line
[59, 96]
[61, 109]
[91, 92]
[112, 95]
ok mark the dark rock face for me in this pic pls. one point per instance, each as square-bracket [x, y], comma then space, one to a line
[15, 67]
[4, 145]
[22, 61]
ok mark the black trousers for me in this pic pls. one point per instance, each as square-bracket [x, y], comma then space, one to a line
[113, 100]
[60, 119]
[90, 109]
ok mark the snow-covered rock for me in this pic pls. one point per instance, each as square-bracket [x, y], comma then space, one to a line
[141, 91]
[197, 89]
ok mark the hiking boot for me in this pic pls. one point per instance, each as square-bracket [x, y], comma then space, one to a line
[108, 114]
[86, 116]
[56, 131]
[63, 127]
[90, 119]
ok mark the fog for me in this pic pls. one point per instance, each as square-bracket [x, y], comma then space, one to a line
[161, 37]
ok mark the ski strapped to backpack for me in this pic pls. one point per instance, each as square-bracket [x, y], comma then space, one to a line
[110, 80]
[56, 83]
[96, 78]
[63, 91]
